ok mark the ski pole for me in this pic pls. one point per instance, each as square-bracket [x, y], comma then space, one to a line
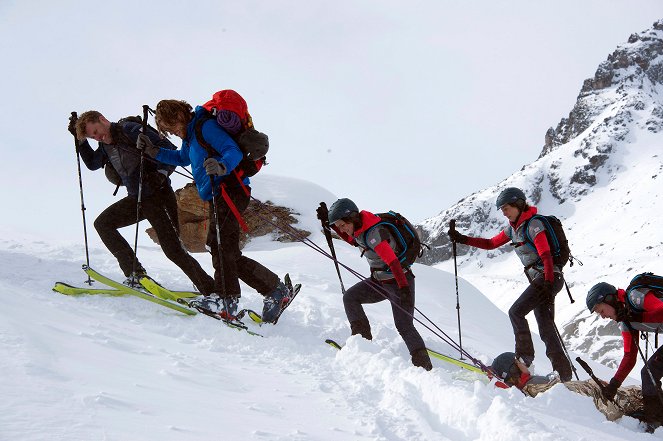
[568, 357]
[146, 108]
[323, 215]
[222, 277]
[452, 225]
[598, 382]
[74, 117]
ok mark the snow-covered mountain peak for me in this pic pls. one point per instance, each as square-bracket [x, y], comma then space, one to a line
[608, 131]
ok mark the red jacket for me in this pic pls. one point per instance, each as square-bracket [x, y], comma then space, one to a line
[653, 307]
[540, 242]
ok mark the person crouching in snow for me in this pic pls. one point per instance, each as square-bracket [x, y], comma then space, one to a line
[389, 279]
[627, 401]
[618, 305]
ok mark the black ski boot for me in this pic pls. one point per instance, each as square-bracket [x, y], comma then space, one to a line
[653, 413]
[563, 367]
[361, 327]
[420, 358]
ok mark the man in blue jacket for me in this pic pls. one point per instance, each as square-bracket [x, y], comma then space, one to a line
[117, 151]
[213, 155]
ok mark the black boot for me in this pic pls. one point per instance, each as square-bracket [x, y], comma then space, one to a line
[421, 359]
[653, 412]
[563, 367]
[361, 327]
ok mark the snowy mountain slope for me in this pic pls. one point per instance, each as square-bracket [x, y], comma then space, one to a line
[95, 367]
[600, 172]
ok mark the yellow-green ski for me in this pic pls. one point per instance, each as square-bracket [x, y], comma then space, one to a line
[155, 288]
[136, 293]
[69, 290]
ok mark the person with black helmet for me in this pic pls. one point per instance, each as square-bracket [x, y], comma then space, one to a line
[638, 310]
[546, 278]
[389, 278]
[627, 400]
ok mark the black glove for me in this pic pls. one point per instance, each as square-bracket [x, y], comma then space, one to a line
[72, 125]
[546, 291]
[626, 314]
[610, 390]
[406, 298]
[145, 143]
[323, 214]
[214, 167]
[455, 236]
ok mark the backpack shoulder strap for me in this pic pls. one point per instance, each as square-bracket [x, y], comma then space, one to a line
[198, 131]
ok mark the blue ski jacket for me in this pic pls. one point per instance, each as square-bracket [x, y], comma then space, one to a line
[194, 154]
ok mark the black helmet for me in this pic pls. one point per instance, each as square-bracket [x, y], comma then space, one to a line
[509, 196]
[343, 207]
[599, 293]
[505, 366]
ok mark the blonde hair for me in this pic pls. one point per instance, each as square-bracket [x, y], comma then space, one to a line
[91, 116]
[172, 113]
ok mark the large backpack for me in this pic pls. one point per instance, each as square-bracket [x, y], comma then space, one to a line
[253, 144]
[409, 244]
[169, 169]
[645, 280]
[559, 245]
[112, 175]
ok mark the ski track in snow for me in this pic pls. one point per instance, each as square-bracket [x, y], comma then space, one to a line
[120, 368]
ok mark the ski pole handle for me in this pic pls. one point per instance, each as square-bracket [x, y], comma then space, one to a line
[146, 109]
[589, 371]
[74, 117]
[452, 224]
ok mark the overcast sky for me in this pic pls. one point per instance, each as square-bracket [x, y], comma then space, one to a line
[398, 105]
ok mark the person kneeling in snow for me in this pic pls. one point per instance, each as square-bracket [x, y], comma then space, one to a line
[389, 279]
[626, 401]
[638, 310]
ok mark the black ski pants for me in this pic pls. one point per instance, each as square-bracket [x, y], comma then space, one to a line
[655, 365]
[160, 209]
[234, 265]
[370, 291]
[544, 312]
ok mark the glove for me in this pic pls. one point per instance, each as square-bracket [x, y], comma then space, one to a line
[214, 167]
[144, 143]
[546, 291]
[72, 125]
[455, 236]
[323, 214]
[405, 297]
[610, 390]
[626, 314]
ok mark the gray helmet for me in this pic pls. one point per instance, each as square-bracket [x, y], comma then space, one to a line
[510, 195]
[599, 294]
[344, 207]
[504, 365]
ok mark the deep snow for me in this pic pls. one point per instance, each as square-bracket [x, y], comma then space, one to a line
[120, 368]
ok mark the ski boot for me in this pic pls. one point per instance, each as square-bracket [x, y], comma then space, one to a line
[132, 281]
[274, 302]
[420, 358]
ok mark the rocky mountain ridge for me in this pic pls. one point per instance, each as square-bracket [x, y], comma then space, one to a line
[622, 98]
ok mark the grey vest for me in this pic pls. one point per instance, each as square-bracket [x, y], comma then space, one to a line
[526, 253]
[368, 240]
